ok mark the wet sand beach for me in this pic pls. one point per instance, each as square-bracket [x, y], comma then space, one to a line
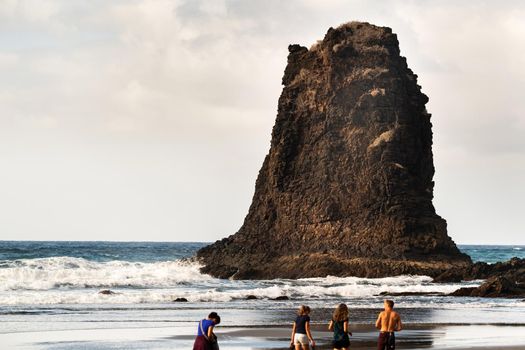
[413, 337]
[459, 337]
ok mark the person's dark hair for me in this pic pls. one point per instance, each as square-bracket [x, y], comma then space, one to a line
[214, 316]
[390, 303]
[303, 310]
[340, 313]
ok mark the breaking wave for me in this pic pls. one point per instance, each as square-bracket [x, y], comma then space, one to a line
[69, 272]
[69, 280]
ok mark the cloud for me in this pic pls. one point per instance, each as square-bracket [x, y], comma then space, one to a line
[475, 86]
[188, 90]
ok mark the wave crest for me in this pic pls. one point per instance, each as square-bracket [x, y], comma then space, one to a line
[68, 272]
[68, 280]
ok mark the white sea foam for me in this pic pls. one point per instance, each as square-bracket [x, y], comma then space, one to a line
[166, 296]
[68, 272]
[66, 280]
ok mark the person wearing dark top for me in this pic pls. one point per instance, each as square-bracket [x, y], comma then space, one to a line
[339, 324]
[206, 339]
[301, 335]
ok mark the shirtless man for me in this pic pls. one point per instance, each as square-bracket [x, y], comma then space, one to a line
[388, 322]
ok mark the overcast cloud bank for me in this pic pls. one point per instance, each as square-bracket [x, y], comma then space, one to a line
[149, 120]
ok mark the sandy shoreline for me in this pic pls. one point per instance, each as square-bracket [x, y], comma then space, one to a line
[261, 326]
[413, 337]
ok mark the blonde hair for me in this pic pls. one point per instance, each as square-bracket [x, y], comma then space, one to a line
[303, 310]
[340, 313]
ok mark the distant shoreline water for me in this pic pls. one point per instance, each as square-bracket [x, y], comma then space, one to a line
[169, 251]
[492, 253]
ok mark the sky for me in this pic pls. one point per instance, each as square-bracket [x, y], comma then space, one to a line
[148, 120]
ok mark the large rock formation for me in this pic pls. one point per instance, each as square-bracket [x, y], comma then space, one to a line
[346, 188]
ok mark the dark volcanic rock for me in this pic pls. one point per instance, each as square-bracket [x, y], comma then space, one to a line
[251, 297]
[405, 294]
[106, 292]
[180, 300]
[463, 292]
[504, 279]
[346, 188]
[514, 269]
[282, 297]
[494, 287]
[449, 276]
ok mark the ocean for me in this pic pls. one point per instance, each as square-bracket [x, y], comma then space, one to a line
[54, 286]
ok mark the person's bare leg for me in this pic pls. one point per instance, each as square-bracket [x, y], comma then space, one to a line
[306, 347]
[297, 346]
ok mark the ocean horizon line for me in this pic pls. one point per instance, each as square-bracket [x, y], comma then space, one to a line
[207, 242]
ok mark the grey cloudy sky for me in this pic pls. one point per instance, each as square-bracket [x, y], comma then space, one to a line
[149, 120]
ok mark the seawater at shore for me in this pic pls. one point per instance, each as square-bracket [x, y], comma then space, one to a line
[58, 273]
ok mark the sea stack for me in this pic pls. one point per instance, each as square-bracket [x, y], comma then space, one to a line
[346, 188]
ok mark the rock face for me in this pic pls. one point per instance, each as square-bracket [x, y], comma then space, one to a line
[514, 269]
[180, 300]
[494, 287]
[504, 279]
[346, 188]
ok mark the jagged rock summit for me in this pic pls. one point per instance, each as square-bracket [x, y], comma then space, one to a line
[346, 188]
